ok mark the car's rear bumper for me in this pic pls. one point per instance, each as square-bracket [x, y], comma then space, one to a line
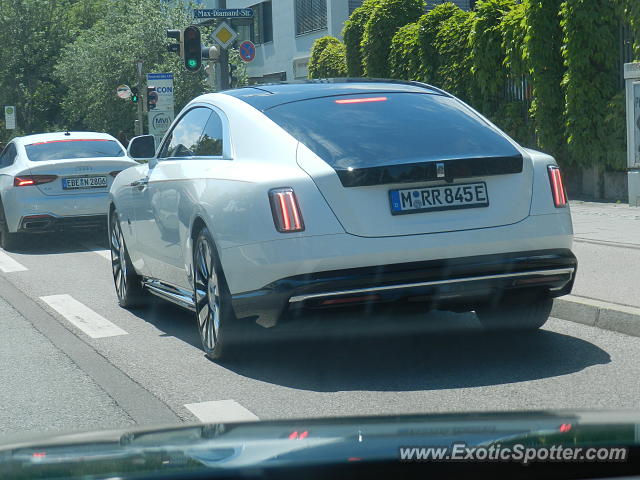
[53, 223]
[462, 281]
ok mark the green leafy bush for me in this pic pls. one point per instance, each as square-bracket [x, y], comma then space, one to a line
[405, 54]
[543, 44]
[387, 17]
[327, 59]
[453, 45]
[591, 80]
[429, 27]
[352, 34]
[487, 53]
[632, 14]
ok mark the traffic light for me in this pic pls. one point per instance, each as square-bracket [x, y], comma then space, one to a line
[192, 47]
[175, 47]
[152, 98]
[135, 92]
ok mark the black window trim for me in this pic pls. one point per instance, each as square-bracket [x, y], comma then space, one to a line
[227, 150]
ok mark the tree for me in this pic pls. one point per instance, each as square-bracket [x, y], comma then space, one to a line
[387, 17]
[327, 58]
[429, 26]
[352, 34]
[104, 57]
[405, 53]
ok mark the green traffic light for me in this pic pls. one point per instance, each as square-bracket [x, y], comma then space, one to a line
[192, 63]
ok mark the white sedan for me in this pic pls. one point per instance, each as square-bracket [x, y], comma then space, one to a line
[323, 194]
[54, 181]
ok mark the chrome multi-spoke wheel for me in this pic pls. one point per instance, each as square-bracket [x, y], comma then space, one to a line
[127, 283]
[211, 305]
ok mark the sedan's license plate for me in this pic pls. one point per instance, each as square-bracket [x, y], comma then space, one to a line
[84, 182]
[444, 197]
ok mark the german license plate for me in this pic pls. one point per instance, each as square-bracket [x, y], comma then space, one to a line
[70, 183]
[443, 197]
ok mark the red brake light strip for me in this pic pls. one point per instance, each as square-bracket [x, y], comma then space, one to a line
[362, 100]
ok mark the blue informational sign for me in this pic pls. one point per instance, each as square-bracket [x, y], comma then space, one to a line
[247, 51]
[223, 13]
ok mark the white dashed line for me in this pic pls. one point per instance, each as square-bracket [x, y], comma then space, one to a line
[98, 250]
[94, 325]
[8, 264]
[221, 411]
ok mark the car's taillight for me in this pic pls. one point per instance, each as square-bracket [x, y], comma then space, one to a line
[115, 173]
[557, 188]
[28, 180]
[286, 213]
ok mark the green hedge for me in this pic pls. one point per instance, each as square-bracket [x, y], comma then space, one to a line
[453, 45]
[543, 44]
[352, 34]
[591, 32]
[330, 63]
[405, 53]
[429, 27]
[487, 53]
[387, 17]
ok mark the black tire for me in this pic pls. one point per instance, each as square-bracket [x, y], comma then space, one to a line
[213, 311]
[127, 282]
[517, 312]
[8, 240]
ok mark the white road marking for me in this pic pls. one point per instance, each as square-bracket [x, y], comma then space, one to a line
[221, 411]
[8, 264]
[94, 325]
[98, 250]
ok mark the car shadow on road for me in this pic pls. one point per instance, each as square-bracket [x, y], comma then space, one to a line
[62, 242]
[395, 351]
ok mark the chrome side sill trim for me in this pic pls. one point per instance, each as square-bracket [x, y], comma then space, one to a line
[168, 292]
[559, 271]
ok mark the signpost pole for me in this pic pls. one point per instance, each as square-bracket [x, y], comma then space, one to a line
[223, 61]
[140, 124]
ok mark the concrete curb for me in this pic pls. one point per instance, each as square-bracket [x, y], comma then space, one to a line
[597, 313]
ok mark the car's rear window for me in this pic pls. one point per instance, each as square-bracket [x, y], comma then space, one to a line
[368, 130]
[73, 148]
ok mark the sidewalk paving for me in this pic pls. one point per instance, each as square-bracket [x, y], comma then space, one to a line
[606, 292]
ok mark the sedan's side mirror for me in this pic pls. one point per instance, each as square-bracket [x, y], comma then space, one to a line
[142, 147]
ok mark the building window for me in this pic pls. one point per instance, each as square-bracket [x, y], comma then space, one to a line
[311, 15]
[261, 29]
[353, 4]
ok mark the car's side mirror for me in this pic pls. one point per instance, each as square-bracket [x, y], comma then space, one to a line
[142, 147]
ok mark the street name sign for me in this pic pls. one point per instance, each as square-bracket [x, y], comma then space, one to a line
[223, 13]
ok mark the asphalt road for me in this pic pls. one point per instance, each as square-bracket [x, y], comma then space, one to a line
[145, 366]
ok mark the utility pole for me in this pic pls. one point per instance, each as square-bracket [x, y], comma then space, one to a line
[139, 122]
[223, 62]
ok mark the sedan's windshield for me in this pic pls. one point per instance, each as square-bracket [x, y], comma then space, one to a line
[75, 148]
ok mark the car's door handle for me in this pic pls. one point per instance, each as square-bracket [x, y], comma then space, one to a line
[143, 182]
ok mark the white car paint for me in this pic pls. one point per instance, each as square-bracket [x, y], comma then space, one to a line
[50, 199]
[344, 228]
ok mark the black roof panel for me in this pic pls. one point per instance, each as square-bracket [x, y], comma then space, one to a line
[263, 97]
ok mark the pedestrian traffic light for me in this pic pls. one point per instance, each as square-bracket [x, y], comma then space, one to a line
[135, 94]
[192, 47]
[178, 46]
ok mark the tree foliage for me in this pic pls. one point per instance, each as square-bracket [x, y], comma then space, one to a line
[592, 78]
[429, 28]
[387, 17]
[543, 44]
[103, 57]
[327, 58]
[487, 52]
[405, 54]
[352, 34]
[453, 45]
[632, 14]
